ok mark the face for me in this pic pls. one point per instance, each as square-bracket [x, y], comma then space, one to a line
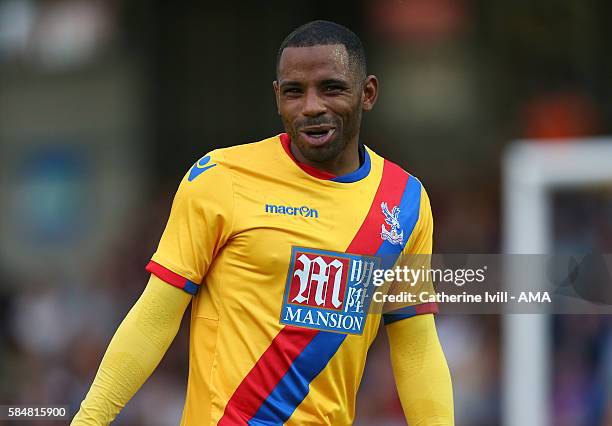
[320, 98]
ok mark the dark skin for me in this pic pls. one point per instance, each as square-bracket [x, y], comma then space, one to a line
[319, 92]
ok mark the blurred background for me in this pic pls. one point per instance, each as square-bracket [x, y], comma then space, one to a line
[105, 104]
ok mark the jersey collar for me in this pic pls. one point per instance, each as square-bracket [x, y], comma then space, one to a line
[360, 173]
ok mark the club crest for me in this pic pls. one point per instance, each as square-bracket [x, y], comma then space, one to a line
[395, 235]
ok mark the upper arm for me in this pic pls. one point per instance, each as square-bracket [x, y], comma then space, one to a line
[158, 312]
[174, 298]
[200, 224]
[421, 239]
[416, 256]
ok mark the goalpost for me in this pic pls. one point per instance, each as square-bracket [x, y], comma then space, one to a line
[532, 171]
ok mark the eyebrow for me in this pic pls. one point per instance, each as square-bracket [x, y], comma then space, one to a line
[334, 81]
[289, 83]
[326, 82]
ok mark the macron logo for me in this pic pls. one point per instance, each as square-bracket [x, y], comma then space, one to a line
[304, 211]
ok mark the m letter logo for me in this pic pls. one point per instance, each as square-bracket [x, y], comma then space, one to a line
[328, 290]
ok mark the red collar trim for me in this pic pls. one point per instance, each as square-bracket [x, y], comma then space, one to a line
[313, 171]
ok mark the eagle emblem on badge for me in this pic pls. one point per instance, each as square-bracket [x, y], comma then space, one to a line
[395, 235]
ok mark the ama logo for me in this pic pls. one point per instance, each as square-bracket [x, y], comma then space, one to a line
[327, 290]
[200, 167]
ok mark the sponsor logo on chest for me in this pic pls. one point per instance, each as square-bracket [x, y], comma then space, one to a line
[303, 211]
[328, 290]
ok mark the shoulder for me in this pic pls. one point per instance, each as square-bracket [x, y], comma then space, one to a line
[221, 162]
[237, 155]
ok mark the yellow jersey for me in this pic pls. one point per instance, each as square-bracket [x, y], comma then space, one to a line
[280, 257]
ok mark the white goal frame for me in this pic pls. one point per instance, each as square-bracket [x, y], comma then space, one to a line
[531, 172]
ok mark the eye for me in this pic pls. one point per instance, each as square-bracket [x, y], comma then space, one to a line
[292, 91]
[333, 89]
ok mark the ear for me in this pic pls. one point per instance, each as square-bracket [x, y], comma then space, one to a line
[370, 92]
[276, 96]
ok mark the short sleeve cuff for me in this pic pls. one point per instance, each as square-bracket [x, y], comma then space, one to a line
[172, 278]
[409, 312]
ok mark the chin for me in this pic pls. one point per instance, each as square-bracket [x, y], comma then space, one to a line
[321, 154]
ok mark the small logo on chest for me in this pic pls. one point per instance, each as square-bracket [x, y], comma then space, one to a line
[395, 235]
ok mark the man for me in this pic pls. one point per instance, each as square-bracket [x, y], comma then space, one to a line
[277, 241]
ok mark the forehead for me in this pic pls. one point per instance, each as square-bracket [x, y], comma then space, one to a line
[321, 61]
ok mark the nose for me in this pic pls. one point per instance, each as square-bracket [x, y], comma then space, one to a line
[313, 105]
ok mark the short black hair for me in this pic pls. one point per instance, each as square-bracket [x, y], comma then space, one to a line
[323, 33]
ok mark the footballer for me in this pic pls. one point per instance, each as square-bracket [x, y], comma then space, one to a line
[274, 244]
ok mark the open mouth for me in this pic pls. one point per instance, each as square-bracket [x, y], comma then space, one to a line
[318, 135]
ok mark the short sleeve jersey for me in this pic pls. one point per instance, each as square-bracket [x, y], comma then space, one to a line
[280, 257]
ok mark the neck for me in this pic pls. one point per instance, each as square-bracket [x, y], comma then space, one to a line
[344, 163]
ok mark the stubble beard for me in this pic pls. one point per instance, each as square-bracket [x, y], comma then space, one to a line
[334, 148]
